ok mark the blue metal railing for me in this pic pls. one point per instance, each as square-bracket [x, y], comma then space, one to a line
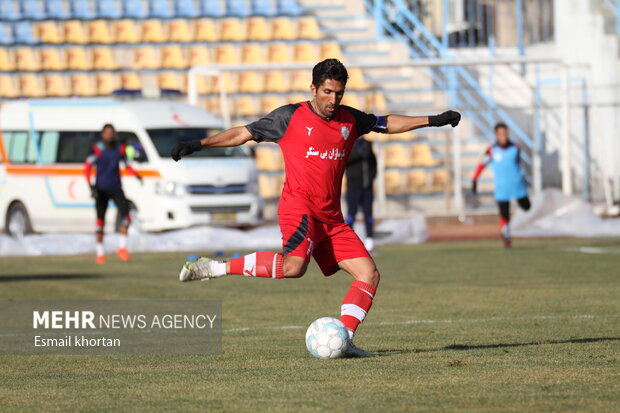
[395, 18]
[614, 5]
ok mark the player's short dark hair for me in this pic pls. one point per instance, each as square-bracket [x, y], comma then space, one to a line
[329, 69]
[500, 125]
[108, 125]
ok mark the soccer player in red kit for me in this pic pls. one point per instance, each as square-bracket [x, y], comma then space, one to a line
[316, 138]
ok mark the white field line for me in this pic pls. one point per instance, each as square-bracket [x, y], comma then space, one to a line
[456, 321]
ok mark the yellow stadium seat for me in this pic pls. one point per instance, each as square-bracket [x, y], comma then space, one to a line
[258, 29]
[99, 32]
[305, 52]
[103, 59]
[297, 97]
[251, 82]
[51, 60]
[77, 59]
[352, 100]
[356, 79]
[393, 182]
[49, 32]
[8, 87]
[125, 31]
[172, 57]
[199, 55]
[308, 28]
[417, 181]
[131, 81]
[269, 158]
[269, 103]
[6, 60]
[279, 53]
[301, 80]
[212, 105]
[397, 155]
[330, 50]
[422, 155]
[56, 85]
[179, 30]
[205, 31]
[30, 86]
[153, 32]
[27, 59]
[275, 81]
[282, 29]
[270, 186]
[145, 58]
[226, 54]
[245, 107]
[74, 32]
[82, 85]
[204, 85]
[106, 83]
[169, 80]
[376, 102]
[252, 53]
[441, 179]
[231, 83]
[183, 82]
[231, 30]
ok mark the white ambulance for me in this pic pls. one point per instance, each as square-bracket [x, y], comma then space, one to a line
[43, 144]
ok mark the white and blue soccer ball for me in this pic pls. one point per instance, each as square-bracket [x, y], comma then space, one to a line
[327, 338]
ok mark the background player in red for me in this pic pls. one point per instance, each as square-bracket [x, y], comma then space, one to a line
[316, 138]
[106, 156]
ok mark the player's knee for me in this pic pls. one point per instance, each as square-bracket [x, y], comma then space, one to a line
[294, 269]
[371, 277]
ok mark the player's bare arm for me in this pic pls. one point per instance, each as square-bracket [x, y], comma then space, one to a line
[402, 123]
[232, 137]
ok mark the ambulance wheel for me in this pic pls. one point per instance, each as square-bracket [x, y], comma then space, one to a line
[17, 222]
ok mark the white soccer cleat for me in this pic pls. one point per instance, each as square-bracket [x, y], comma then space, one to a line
[369, 243]
[354, 351]
[201, 269]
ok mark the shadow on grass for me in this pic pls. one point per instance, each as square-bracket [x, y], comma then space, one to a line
[464, 347]
[46, 277]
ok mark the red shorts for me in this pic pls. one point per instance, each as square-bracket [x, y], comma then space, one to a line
[304, 236]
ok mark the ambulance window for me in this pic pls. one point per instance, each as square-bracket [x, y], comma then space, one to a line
[74, 147]
[17, 146]
[135, 150]
[31, 152]
[49, 146]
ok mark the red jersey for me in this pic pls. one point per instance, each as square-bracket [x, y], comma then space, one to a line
[315, 151]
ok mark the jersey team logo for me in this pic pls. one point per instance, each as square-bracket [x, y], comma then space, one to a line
[345, 132]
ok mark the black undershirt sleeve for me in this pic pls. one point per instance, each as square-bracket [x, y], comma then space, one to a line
[367, 122]
[272, 127]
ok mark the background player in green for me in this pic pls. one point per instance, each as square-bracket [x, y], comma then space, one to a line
[316, 138]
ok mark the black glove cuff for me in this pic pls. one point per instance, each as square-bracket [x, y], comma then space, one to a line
[433, 120]
[195, 145]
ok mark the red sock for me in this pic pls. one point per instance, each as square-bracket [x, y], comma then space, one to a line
[356, 304]
[259, 264]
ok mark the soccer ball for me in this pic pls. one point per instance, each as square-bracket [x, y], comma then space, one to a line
[327, 338]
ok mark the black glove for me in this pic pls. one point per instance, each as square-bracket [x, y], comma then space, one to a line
[447, 118]
[474, 187]
[93, 192]
[181, 149]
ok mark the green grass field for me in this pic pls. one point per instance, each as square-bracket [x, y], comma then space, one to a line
[457, 326]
